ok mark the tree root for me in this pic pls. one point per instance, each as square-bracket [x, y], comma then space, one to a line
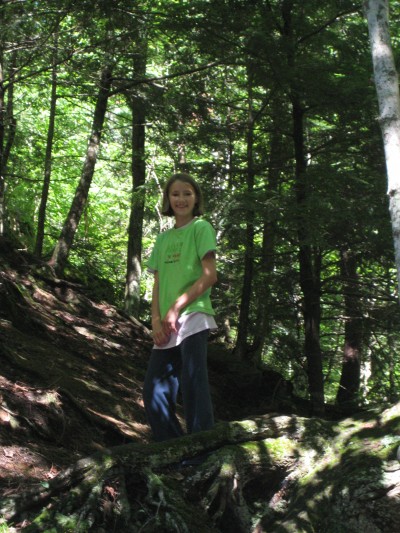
[264, 474]
[143, 485]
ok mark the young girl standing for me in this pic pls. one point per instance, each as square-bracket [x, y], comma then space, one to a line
[183, 262]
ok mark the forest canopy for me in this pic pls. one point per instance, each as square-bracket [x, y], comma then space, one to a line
[271, 105]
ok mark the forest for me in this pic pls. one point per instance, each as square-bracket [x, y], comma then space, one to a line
[272, 106]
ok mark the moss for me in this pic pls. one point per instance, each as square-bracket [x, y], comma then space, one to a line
[246, 425]
[276, 449]
[69, 524]
[351, 470]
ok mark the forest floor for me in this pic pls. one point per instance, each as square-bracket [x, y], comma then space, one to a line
[71, 373]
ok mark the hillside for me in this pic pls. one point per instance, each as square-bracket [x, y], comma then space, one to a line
[71, 374]
[75, 449]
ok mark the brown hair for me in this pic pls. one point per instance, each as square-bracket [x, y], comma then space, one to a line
[186, 178]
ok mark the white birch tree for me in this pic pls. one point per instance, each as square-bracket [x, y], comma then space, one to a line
[387, 88]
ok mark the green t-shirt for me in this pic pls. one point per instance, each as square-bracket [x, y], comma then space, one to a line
[177, 256]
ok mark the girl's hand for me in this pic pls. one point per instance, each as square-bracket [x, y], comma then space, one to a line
[160, 337]
[170, 320]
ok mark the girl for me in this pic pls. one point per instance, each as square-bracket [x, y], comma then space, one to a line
[183, 262]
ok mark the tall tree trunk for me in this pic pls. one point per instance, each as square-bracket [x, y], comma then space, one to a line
[309, 257]
[387, 88]
[63, 247]
[9, 115]
[263, 327]
[310, 269]
[48, 156]
[241, 347]
[6, 118]
[2, 129]
[138, 106]
[2, 184]
[267, 261]
[350, 378]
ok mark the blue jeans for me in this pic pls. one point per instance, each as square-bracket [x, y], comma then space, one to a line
[183, 366]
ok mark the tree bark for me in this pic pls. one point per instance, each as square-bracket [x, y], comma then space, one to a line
[387, 89]
[6, 137]
[2, 134]
[310, 273]
[135, 232]
[242, 346]
[63, 247]
[9, 115]
[350, 377]
[263, 326]
[309, 256]
[48, 156]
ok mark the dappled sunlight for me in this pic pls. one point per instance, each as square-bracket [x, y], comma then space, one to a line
[271, 106]
[357, 479]
[131, 429]
[76, 392]
[19, 464]
[93, 386]
[269, 471]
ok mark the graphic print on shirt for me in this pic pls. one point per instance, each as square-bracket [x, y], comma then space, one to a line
[173, 252]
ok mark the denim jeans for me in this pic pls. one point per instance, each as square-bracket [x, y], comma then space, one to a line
[184, 367]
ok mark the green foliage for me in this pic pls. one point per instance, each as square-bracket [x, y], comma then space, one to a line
[199, 118]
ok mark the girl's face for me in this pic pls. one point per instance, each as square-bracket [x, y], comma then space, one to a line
[182, 199]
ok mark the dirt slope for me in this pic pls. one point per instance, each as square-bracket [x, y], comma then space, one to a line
[70, 373]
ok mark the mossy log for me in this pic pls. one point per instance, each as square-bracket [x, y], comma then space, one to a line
[271, 473]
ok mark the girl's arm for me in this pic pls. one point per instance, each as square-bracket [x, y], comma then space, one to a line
[206, 280]
[159, 335]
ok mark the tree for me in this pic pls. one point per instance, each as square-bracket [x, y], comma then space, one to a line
[242, 348]
[21, 48]
[62, 249]
[387, 88]
[304, 174]
[49, 152]
[269, 228]
[7, 119]
[350, 377]
[309, 254]
[138, 105]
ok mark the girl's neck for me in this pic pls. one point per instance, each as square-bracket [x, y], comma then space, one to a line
[182, 221]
